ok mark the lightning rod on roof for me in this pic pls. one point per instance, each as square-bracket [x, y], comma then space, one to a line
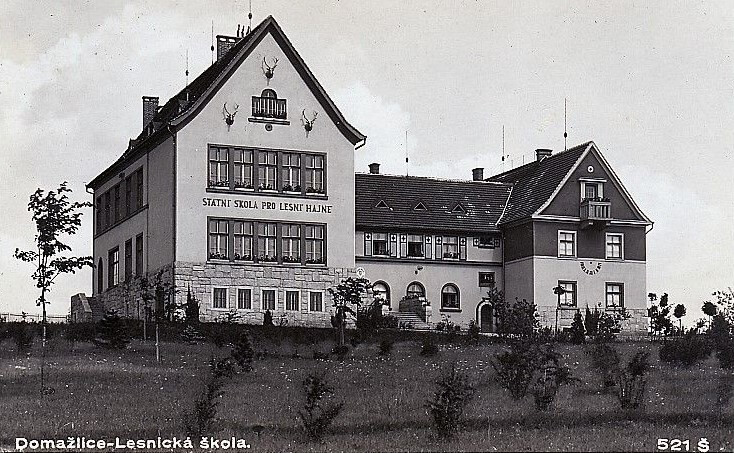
[187, 74]
[249, 18]
[406, 153]
[565, 129]
[212, 48]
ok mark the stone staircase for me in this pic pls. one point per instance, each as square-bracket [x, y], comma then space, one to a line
[409, 320]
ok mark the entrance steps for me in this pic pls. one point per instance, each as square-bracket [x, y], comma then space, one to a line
[409, 320]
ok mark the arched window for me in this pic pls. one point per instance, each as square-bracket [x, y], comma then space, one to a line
[268, 93]
[450, 297]
[415, 289]
[381, 290]
[100, 277]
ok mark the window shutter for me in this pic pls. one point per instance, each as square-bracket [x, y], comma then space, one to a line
[367, 244]
[462, 248]
[439, 255]
[393, 245]
[403, 246]
[428, 247]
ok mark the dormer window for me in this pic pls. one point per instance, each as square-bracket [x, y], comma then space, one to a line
[267, 105]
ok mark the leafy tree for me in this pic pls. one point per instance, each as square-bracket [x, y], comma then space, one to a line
[679, 311]
[517, 319]
[591, 321]
[659, 315]
[577, 329]
[346, 294]
[319, 410]
[453, 393]
[242, 352]
[725, 302]
[709, 309]
[191, 308]
[54, 215]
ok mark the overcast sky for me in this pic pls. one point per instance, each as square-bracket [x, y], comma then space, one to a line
[651, 83]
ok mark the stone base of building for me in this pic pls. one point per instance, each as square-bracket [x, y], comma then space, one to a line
[202, 278]
[635, 325]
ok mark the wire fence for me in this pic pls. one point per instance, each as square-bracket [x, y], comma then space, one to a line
[15, 317]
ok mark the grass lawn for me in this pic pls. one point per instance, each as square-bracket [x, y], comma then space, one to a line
[107, 394]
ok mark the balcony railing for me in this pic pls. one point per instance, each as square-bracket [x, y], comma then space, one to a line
[266, 107]
[596, 209]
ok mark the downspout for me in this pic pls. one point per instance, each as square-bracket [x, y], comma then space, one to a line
[94, 255]
[173, 204]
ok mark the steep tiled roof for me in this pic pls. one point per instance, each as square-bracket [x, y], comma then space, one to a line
[534, 183]
[450, 205]
[188, 100]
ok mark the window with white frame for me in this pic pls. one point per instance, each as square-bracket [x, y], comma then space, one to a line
[379, 244]
[218, 167]
[267, 170]
[291, 238]
[381, 291]
[244, 299]
[314, 173]
[450, 297]
[415, 245]
[266, 242]
[291, 169]
[243, 168]
[566, 243]
[113, 259]
[218, 234]
[314, 235]
[220, 298]
[315, 301]
[450, 246]
[292, 302]
[242, 240]
[615, 246]
[615, 295]
[415, 289]
[267, 299]
[568, 297]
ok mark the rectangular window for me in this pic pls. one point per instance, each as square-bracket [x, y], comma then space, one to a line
[315, 244]
[488, 242]
[98, 214]
[244, 299]
[315, 301]
[243, 168]
[590, 191]
[220, 297]
[139, 191]
[107, 210]
[566, 243]
[117, 203]
[128, 195]
[218, 167]
[415, 245]
[615, 245]
[242, 241]
[113, 260]
[291, 169]
[268, 299]
[314, 173]
[291, 247]
[568, 298]
[267, 170]
[450, 247]
[615, 295]
[218, 233]
[291, 301]
[128, 259]
[379, 244]
[139, 255]
[267, 237]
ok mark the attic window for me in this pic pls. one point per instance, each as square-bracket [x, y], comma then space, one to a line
[420, 207]
[381, 204]
[267, 105]
[458, 209]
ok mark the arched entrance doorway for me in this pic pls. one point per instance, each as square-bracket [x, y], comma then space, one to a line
[486, 318]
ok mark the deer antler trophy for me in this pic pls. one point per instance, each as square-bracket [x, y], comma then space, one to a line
[229, 117]
[308, 124]
[269, 70]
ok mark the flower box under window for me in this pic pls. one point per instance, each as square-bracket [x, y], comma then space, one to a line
[451, 255]
[242, 185]
[290, 188]
[217, 256]
[315, 261]
[291, 259]
[238, 257]
[267, 258]
[315, 190]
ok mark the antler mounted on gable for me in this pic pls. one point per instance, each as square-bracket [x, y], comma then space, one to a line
[229, 117]
[269, 70]
[308, 124]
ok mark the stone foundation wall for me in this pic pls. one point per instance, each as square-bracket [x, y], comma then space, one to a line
[126, 299]
[202, 278]
[636, 325]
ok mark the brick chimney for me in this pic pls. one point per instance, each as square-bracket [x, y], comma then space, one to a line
[150, 107]
[542, 153]
[477, 174]
[375, 168]
[224, 43]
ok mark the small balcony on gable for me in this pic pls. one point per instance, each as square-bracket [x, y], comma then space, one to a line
[595, 211]
[268, 108]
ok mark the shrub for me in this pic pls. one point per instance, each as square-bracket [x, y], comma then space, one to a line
[389, 322]
[577, 333]
[725, 355]
[472, 334]
[112, 332]
[268, 319]
[340, 351]
[515, 368]
[453, 393]
[605, 360]
[608, 325]
[631, 382]
[518, 319]
[319, 410]
[428, 346]
[80, 331]
[550, 375]
[591, 321]
[242, 352]
[386, 347]
[686, 351]
[190, 335]
[201, 420]
[724, 393]
[22, 334]
[720, 331]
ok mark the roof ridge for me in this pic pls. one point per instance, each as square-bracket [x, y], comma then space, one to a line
[432, 178]
[559, 153]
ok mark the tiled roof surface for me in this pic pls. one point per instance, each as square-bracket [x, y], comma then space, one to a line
[481, 201]
[534, 183]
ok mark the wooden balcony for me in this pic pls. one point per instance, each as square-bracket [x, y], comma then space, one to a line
[267, 107]
[595, 211]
